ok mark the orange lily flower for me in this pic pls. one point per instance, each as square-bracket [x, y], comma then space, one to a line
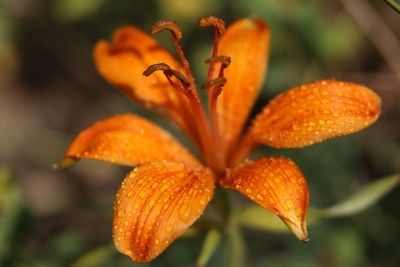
[170, 188]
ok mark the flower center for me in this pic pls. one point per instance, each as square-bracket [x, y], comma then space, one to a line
[207, 137]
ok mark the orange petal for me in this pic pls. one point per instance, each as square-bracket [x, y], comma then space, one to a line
[247, 43]
[129, 140]
[276, 184]
[314, 112]
[155, 204]
[122, 64]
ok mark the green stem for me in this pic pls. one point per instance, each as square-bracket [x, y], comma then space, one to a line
[235, 249]
[394, 5]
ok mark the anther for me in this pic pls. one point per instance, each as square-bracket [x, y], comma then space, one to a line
[168, 72]
[173, 73]
[169, 25]
[213, 21]
[224, 60]
[218, 82]
[155, 67]
[181, 86]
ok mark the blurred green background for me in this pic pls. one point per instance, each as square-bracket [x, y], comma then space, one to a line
[49, 91]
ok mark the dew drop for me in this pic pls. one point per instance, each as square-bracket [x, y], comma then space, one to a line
[184, 212]
[164, 187]
[296, 127]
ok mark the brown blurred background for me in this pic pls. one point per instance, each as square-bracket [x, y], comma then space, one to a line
[49, 91]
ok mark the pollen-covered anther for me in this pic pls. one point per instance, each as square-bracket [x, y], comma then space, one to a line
[155, 67]
[173, 73]
[169, 25]
[213, 21]
[169, 73]
[224, 60]
[218, 82]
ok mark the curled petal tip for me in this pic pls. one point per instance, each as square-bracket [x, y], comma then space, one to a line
[276, 184]
[299, 229]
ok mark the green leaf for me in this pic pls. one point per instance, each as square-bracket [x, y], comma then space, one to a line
[365, 197]
[95, 257]
[211, 243]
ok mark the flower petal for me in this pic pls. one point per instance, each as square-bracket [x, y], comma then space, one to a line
[247, 43]
[129, 140]
[314, 112]
[155, 204]
[122, 64]
[276, 184]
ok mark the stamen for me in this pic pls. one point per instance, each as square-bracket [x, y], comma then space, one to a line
[176, 34]
[214, 84]
[219, 26]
